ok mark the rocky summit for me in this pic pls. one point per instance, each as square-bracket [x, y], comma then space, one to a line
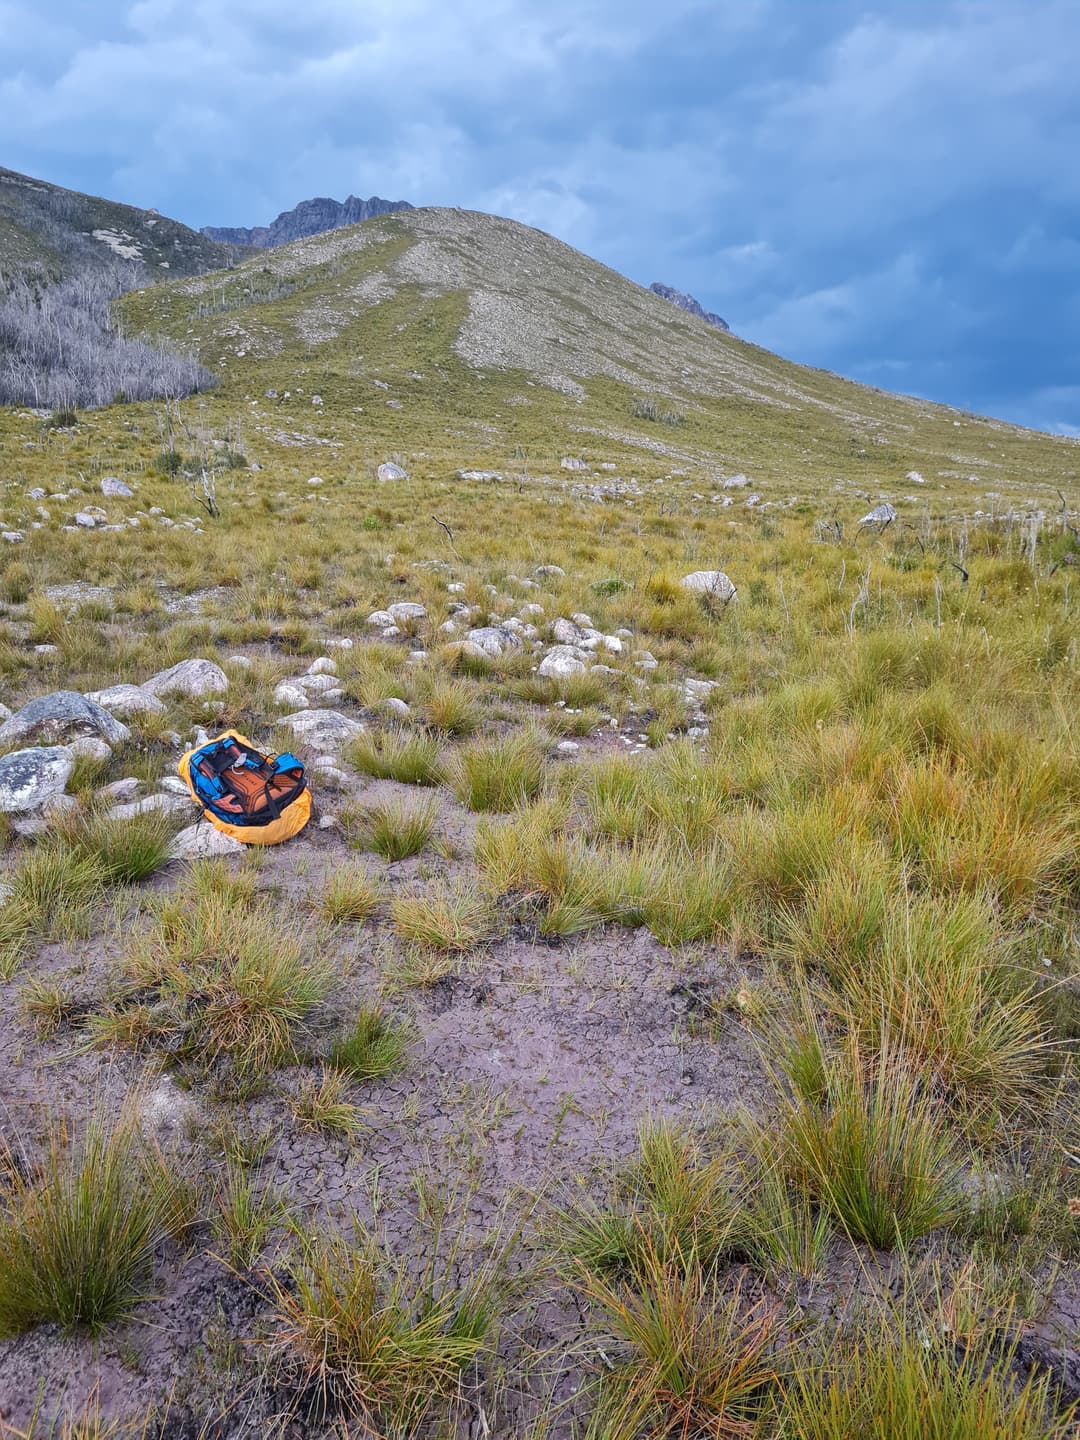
[310, 217]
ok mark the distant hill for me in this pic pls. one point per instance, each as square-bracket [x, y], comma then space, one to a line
[310, 217]
[689, 304]
[50, 234]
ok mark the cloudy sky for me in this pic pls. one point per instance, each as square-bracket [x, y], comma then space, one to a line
[888, 188]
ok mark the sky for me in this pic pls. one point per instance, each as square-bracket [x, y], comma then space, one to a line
[888, 189]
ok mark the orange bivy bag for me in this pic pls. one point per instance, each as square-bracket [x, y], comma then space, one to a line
[255, 798]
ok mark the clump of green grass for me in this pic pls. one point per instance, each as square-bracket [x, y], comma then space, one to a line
[219, 987]
[320, 1104]
[77, 1240]
[394, 829]
[351, 1326]
[908, 1386]
[449, 917]
[450, 708]
[389, 755]
[126, 851]
[866, 1140]
[244, 1215]
[350, 895]
[499, 774]
[696, 1360]
[374, 1046]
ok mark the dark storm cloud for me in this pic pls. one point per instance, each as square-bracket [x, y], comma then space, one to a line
[886, 189]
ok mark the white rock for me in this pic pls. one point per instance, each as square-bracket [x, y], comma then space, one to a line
[323, 666]
[406, 610]
[201, 841]
[915, 477]
[323, 729]
[315, 684]
[315, 480]
[115, 488]
[494, 640]
[126, 700]
[709, 582]
[879, 515]
[168, 803]
[736, 482]
[567, 747]
[380, 619]
[560, 662]
[194, 678]
[393, 705]
[549, 570]
[89, 747]
[340, 642]
[571, 462]
[29, 779]
[585, 621]
[174, 785]
[125, 789]
[12, 536]
[389, 471]
[287, 694]
[84, 521]
[242, 662]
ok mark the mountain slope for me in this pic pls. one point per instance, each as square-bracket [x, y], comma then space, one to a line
[310, 217]
[480, 340]
[53, 233]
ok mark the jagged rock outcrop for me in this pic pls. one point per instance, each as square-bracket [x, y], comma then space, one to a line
[310, 217]
[666, 292]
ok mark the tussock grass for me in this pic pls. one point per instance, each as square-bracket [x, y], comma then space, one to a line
[374, 1046]
[77, 1239]
[244, 1214]
[451, 707]
[126, 851]
[906, 1386]
[866, 1140]
[220, 987]
[352, 1328]
[389, 755]
[499, 774]
[351, 894]
[394, 829]
[449, 917]
[320, 1104]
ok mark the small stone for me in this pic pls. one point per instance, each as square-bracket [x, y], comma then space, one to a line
[13, 537]
[125, 789]
[174, 785]
[323, 666]
[380, 619]
[406, 610]
[84, 520]
[567, 747]
[395, 706]
[289, 695]
[242, 662]
[327, 822]
[323, 729]
[389, 471]
[560, 662]
[709, 582]
[46, 649]
[553, 570]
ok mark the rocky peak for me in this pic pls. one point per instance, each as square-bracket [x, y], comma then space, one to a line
[677, 297]
[310, 217]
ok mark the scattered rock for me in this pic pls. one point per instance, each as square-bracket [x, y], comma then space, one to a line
[567, 747]
[879, 515]
[736, 482]
[288, 694]
[406, 610]
[89, 747]
[202, 841]
[323, 729]
[560, 662]
[61, 716]
[394, 706]
[85, 521]
[13, 537]
[194, 678]
[167, 803]
[116, 489]
[127, 700]
[556, 570]
[323, 666]
[120, 790]
[709, 582]
[570, 462]
[494, 640]
[381, 619]
[30, 779]
[389, 471]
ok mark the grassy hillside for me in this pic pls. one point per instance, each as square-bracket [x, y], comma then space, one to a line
[681, 1045]
[51, 233]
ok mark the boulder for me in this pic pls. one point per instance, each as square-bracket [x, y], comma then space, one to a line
[127, 700]
[30, 779]
[316, 684]
[194, 678]
[560, 662]
[323, 666]
[323, 729]
[288, 694]
[494, 640]
[709, 582]
[13, 537]
[63, 715]
[392, 705]
[406, 610]
[572, 463]
[389, 471]
[549, 570]
[202, 841]
[381, 619]
[115, 488]
[880, 515]
[84, 520]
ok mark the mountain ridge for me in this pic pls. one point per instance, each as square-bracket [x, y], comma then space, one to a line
[309, 217]
[689, 304]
